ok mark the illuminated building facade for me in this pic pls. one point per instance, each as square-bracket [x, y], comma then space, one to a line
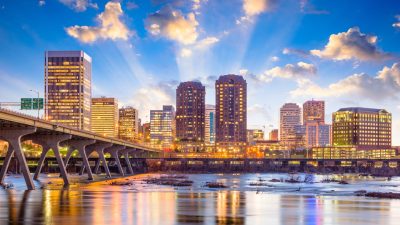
[313, 134]
[289, 118]
[314, 111]
[274, 135]
[190, 111]
[231, 113]
[254, 135]
[105, 116]
[128, 125]
[363, 127]
[146, 132]
[209, 134]
[162, 127]
[68, 90]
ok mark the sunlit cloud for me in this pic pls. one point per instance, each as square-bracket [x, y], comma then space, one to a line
[351, 45]
[173, 25]
[385, 85]
[79, 5]
[308, 8]
[256, 7]
[110, 26]
[397, 24]
[297, 72]
[131, 5]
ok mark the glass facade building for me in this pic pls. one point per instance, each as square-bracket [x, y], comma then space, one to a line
[162, 127]
[289, 118]
[363, 127]
[209, 133]
[68, 90]
[105, 116]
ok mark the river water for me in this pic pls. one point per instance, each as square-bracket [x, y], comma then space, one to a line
[240, 203]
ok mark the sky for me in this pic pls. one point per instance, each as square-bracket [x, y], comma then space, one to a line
[344, 52]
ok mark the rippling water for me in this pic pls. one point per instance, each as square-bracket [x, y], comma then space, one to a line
[140, 203]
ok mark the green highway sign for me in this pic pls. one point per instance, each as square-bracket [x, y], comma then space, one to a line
[37, 103]
[26, 103]
[31, 103]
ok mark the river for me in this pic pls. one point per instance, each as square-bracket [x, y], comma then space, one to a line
[241, 203]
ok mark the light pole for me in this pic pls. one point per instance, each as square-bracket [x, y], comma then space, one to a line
[38, 108]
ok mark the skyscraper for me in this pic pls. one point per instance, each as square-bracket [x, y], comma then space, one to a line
[363, 127]
[128, 123]
[289, 118]
[314, 111]
[68, 89]
[231, 113]
[210, 124]
[162, 127]
[190, 111]
[105, 116]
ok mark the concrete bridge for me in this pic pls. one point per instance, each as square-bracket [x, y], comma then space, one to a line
[16, 128]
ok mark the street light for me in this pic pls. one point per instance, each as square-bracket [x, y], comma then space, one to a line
[37, 101]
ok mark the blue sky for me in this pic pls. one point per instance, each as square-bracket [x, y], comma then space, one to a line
[344, 52]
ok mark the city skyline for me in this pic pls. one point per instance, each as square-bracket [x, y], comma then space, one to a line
[276, 71]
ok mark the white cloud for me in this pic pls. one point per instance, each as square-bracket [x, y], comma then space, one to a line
[274, 58]
[255, 7]
[185, 52]
[131, 5]
[200, 45]
[397, 24]
[110, 26]
[351, 45]
[173, 25]
[79, 5]
[42, 2]
[386, 84]
[299, 71]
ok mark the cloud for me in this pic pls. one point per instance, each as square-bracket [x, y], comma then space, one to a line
[397, 24]
[185, 52]
[257, 109]
[274, 58]
[256, 7]
[79, 5]
[307, 8]
[173, 25]
[199, 45]
[131, 5]
[299, 71]
[292, 51]
[351, 45]
[386, 84]
[110, 26]
[154, 96]
[42, 2]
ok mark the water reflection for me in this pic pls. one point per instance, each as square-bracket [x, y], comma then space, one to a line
[214, 207]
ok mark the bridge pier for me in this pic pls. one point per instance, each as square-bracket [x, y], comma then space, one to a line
[80, 145]
[99, 148]
[50, 142]
[114, 150]
[126, 153]
[13, 136]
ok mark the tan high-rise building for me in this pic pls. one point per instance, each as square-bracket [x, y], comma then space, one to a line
[128, 125]
[289, 119]
[68, 90]
[231, 113]
[105, 116]
[314, 111]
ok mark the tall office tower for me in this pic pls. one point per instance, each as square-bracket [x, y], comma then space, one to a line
[274, 135]
[314, 111]
[231, 113]
[128, 124]
[209, 133]
[68, 89]
[317, 134]
[190, 111]
[162, 127]
[289, 118]
[362, 127]
[105, 116]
